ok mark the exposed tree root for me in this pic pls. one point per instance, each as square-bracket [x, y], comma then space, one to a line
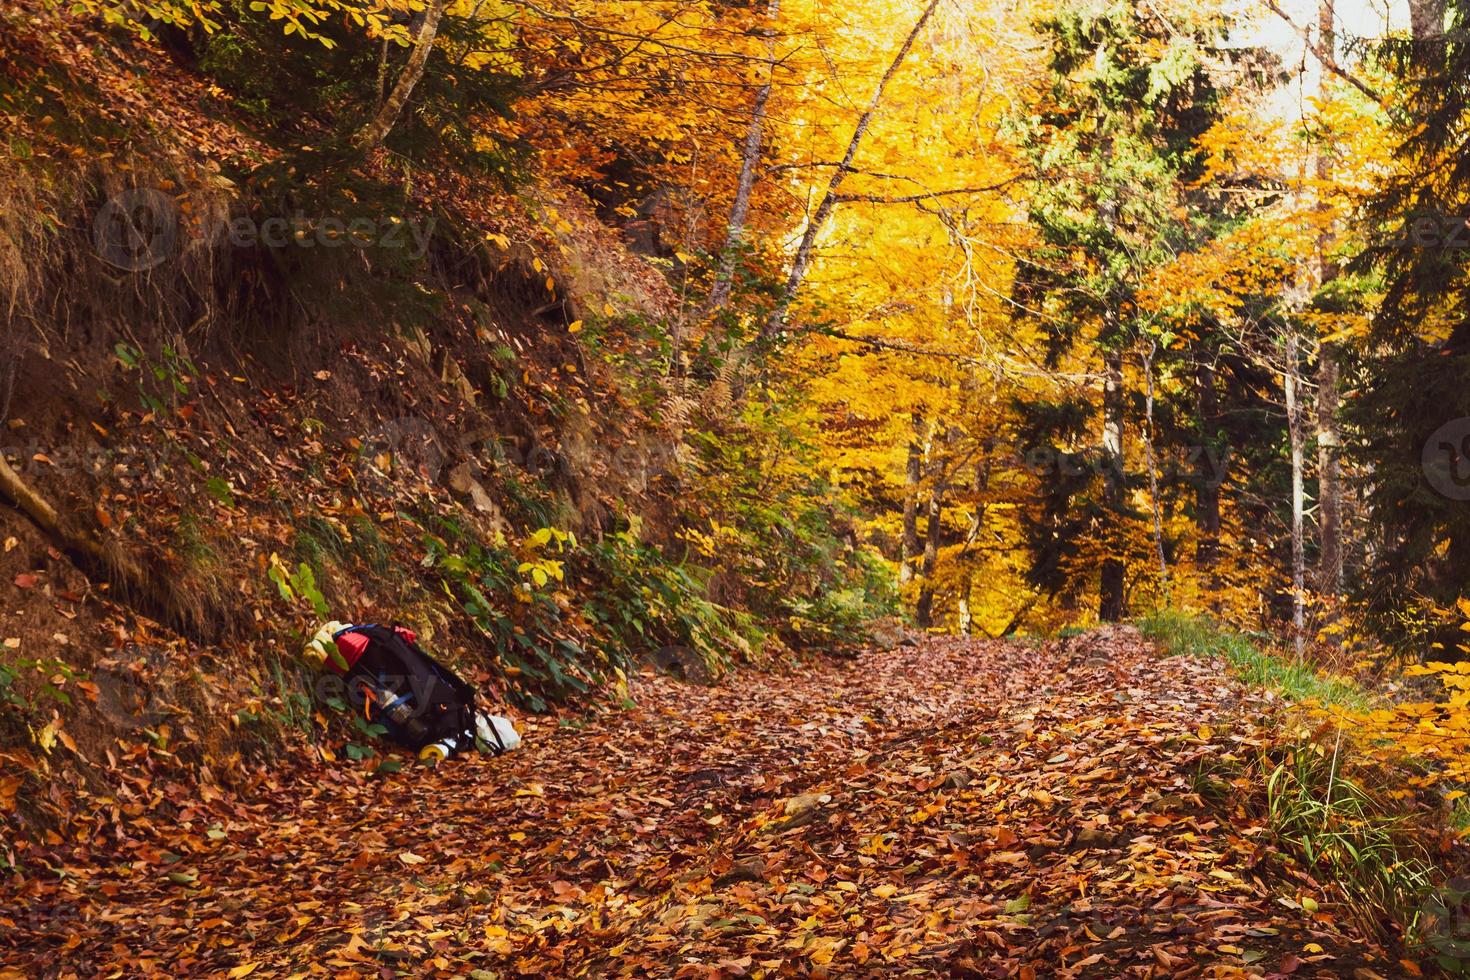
[130, 583]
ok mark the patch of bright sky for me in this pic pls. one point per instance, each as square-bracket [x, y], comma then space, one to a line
[1259, 26]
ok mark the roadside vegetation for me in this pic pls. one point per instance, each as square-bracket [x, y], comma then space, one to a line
[1349, 808]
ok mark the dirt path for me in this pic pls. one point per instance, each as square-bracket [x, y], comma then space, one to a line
[955, 808]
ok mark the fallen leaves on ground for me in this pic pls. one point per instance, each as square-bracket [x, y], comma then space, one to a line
[958, 807]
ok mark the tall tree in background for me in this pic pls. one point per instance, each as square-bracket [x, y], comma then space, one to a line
[1329, 473]
[831, 195]
[900, 310]
[1113, 144]
[1414, 382]
[1426, 21]
[750, 165]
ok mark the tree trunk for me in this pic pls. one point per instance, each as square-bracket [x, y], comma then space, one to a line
[1209, 472]
[939, 474]
[1426, 19]
[1329, 475]
[130, 581]
[1153, 472]
[1111, 607]
[909, 547]
[803, 258]
[368, 138]
[749, 166]
[1298, 543]
[1328, 63]
[383, 52]
[924, 610]
[979, 483]
[1329, 483]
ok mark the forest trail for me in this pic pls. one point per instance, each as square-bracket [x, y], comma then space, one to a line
[955, 807]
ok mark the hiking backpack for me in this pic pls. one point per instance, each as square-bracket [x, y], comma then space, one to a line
[394, 683]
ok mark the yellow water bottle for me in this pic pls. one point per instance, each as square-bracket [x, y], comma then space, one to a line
[436, 752]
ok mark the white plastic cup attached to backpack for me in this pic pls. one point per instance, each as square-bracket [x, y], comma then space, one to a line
[494, 731]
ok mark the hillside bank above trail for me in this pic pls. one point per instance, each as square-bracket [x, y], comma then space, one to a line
[224, 420]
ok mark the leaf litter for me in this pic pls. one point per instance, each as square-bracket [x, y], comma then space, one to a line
[958, 807]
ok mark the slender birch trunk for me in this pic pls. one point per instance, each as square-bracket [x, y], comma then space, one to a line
[1153, 471]
[801, 262]
[749, 166]
[909, 546]
[1329, 476]
[1209, 471]
[1111, 605]
[934, 526]
[378, 128]
[979, 483]
[1294, 423]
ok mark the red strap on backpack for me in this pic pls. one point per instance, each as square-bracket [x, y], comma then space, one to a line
[351, 646]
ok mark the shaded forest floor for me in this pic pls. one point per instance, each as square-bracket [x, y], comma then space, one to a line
[950, 808]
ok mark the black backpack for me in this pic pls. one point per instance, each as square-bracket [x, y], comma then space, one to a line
[415, 698]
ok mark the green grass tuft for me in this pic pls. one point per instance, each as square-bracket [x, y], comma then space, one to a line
[1184, 634]
[1355, 834]
[1331, 811]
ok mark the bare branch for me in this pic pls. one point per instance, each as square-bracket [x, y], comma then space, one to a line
[897, 346]
[382, 122]
[802, 260]
[1326, 60]
[930, 195]
[611, 32]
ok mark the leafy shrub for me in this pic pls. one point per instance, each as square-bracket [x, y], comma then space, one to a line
[642, 600]
[862, 591]
[633, 601]
[285, 83]
[764, 516]
[526, 627]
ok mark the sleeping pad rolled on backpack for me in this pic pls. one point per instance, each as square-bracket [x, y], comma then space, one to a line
[394, 683]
